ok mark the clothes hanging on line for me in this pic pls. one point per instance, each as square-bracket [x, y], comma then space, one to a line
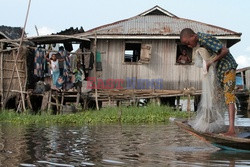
[39, 62]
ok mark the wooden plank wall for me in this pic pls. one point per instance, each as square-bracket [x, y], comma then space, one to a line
[162, 65]
[7, 68]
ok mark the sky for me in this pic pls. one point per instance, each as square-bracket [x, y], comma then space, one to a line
[51, 16]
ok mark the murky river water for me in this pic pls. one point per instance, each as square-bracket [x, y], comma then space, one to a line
[109, 145]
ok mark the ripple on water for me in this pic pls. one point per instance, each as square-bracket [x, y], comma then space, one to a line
[110, 145]
[113, 162]
[55, 164]
[27, 165]
[87, 164]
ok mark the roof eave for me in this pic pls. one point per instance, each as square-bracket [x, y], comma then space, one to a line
[103, 36]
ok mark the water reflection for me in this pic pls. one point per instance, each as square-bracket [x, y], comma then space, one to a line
[109, 145]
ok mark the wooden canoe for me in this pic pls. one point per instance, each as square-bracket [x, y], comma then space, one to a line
[219, 140]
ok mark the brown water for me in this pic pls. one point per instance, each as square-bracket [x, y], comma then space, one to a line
[109, 145]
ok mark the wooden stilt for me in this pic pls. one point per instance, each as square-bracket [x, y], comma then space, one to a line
[178, 102]
[85, 102]
[158, 101]
[95, 75]
[45, 101]
[28, 101]
[19, 106]
[57, 103]
[49, 101]
[62, 101]
[2, 91]
[78, 98]
[109, 101]
[189, 105]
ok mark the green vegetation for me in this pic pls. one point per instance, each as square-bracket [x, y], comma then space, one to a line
[149, 114]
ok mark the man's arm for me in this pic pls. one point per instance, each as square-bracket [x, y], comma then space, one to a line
[223, 52]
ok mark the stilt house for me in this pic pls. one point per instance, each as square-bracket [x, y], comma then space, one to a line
[142, 51]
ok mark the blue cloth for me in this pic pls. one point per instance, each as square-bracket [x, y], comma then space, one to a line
[213, 45]
[55, 76]
[60, 82]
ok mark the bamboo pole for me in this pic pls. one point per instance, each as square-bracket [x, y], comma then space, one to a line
[55, 104]
[18, 61]
[8, 50]
[20, 71]
[95, 75]
[14, 77]
[21, 89]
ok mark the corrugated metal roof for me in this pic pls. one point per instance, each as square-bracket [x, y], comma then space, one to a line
[46, 39]
[157, 25]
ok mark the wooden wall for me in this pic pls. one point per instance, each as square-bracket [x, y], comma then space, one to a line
[161, 66]
[6, 69]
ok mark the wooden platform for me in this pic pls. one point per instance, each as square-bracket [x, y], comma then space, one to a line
[130, 94]
[59, 98]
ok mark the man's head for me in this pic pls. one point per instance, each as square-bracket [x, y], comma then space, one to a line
[53, 57]
[188, 37]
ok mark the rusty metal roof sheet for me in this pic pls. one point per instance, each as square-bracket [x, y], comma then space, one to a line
[157, 22]
[46, 39]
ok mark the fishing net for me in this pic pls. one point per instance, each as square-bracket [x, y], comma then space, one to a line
[210, 112]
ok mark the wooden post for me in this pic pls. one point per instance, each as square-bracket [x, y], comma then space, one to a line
[158, 101]
[242, 78]
[189, 105]
[28, 101]
[109, 101]
[62, 101]
[248, 104]
[95, 75]
[49, 103]
[57, 103]
[78, 96]
[2, 91]
[45, 101]
[178, 102]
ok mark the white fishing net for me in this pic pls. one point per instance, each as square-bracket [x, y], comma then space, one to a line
[210, 112]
